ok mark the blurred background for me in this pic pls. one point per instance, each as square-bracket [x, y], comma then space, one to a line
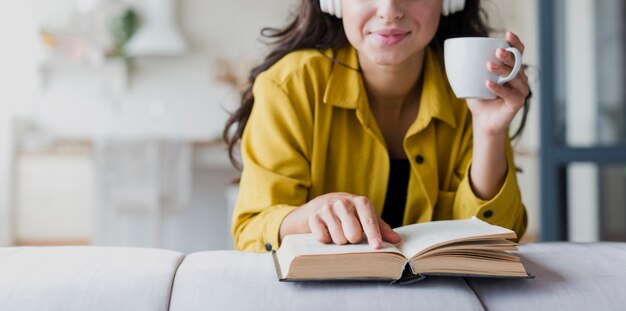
[111, 114]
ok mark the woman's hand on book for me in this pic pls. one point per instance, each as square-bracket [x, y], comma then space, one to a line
[339, 218]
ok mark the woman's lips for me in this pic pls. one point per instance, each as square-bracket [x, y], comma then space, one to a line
[390, 36]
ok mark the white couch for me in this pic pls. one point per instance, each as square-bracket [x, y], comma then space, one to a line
[568, 277]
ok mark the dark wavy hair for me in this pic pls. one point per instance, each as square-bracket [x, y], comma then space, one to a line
[313, 29]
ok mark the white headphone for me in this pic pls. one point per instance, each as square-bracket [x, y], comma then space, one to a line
[333, 7]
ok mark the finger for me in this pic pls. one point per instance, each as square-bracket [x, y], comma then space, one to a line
[368, 218]
[504, 71]
[515, 41]
[505, 57]
[318, 228]
[499, 69]
[331, 197]
[519, 83]
[344, 209]
[387, 233]
[510, 95]
[504, 91]
[520, 86]
[333, 225]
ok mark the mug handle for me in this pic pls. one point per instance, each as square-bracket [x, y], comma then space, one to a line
[516, 67]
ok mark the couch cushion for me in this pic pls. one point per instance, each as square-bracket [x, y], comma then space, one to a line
[232, 280]
[86, 278]
[569, 276]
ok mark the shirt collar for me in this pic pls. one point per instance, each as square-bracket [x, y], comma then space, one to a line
[345, 88]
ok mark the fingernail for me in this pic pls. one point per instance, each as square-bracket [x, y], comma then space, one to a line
[376, 243]
[494, 66]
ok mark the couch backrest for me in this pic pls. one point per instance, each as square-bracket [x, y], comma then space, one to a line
[86, 278]
[569, 276]
[231, 280]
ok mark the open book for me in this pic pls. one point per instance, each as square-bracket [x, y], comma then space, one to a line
[469, 247]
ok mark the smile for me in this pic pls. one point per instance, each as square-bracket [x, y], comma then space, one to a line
[390, 36]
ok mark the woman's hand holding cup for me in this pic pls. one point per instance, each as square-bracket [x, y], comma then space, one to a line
[488, 72]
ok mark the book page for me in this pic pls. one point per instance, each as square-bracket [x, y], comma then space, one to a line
[420, 237]
[489, 245]
[306, 244]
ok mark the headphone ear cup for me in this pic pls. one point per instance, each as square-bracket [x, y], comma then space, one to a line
[459, 5]
[337, 8]
[324, 5]
[445, 7]
[332, 7]
[452, 6]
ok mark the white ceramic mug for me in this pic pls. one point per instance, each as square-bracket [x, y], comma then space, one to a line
[466, 65]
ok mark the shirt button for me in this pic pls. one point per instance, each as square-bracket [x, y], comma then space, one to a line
[487, 214]
[419, 159]
[268, 246]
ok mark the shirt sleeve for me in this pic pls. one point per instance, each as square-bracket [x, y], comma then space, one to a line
[505, 209]
[275, 180]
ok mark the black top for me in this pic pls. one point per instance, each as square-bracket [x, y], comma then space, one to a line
[395, 201]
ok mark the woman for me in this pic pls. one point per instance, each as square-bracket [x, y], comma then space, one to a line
[349, 127]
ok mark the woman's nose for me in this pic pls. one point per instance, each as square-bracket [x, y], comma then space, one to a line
[390, 10]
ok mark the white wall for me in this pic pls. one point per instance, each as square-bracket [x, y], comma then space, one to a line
[6, 236]
[165, 96]
[17, 86]
[184, 88]
[521, 17]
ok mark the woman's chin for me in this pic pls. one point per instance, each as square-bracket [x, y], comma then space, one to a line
[386, 57]
[387, 60]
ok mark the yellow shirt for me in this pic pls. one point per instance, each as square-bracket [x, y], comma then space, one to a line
[311, 132]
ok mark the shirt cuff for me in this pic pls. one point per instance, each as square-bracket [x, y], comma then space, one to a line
[505, 209]
[272, 230]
